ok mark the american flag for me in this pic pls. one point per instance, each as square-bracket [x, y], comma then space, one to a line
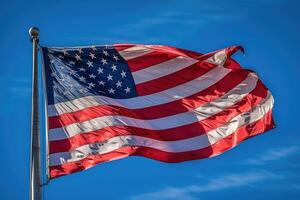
[161, 102]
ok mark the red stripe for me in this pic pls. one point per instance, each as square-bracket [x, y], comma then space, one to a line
[163, 53]
[178, 133]
[162, 49]
[121, 47]
[175, 50]
[152, 58]
[229, 52]
[244, 132]
[182, 105]
[174, 79]
[184, 75]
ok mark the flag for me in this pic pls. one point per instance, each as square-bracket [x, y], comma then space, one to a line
[160, 102]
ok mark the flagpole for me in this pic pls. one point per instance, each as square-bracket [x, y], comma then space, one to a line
[35, 165]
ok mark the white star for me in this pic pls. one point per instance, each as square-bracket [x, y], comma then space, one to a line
[65, 52]
[81, 69]
[92, 76]
[53, 74]
[115, 57]
[92, 55]
[94, 48]
[82, 91]
[109, 77]
[111, 91]
[105, 53]
[62, 77]
[81, 78]
[55, 86]
[100, 70]
[127, 90]
[101, 83]
[123, 74]
[77, 57]
[72, 72]
[71, 85]
[114, 67]
[104, 61]
[50, 51]
[91, 85]
[119, 84]
[66, 92]
[90, 64]
[80, 51]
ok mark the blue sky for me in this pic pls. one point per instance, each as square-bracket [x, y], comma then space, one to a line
[264, 167]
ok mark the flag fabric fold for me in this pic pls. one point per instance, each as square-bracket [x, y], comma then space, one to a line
[161, 102]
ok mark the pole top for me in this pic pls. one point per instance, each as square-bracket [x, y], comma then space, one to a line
[34, 33]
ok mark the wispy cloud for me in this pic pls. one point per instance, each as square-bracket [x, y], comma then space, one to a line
[173, 19]
[231, 180]
[272, 155]
[17, 87]
[214, 184]
[190, 16]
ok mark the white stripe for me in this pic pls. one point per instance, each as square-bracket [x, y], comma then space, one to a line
[166, 96]
[218, 58]
[162, 69]
[134, 52]
[190, 144]
[198, 114]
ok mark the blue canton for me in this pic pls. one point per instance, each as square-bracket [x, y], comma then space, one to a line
[72, 73]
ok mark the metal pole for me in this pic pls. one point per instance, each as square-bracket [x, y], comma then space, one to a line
[35, 165]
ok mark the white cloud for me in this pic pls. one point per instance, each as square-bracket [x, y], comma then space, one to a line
[190, 17]
[272, 155]
[228, 181]
[17, 87]
[214, 184]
